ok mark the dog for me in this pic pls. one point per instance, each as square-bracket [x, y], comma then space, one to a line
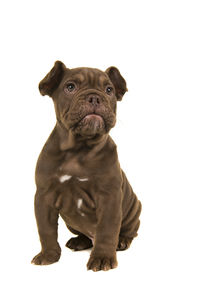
[78, 175]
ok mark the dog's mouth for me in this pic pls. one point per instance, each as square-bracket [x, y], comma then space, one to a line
[92, 122]
[93, 117]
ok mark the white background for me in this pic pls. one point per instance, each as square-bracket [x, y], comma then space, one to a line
[156, 46]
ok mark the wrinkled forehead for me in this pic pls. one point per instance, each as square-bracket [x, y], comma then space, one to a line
[89, 76]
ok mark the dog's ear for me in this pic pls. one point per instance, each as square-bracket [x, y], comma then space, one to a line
[51, 81]
[118, 82]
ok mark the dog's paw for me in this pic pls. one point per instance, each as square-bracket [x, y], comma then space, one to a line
[105, 263]
[124, 243]
[46, 258]
[78, 243]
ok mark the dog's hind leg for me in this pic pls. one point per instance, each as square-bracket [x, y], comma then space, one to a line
[130, 226]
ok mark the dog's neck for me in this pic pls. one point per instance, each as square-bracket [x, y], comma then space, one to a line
[69, 141]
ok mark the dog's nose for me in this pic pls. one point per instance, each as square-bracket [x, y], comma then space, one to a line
[93, 99]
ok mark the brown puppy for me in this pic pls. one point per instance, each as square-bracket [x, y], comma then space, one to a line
[78, 175]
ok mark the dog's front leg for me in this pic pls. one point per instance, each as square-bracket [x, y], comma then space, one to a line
[109, 216]
[47, 222]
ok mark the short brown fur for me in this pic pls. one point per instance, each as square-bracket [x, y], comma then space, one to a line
[78, 175]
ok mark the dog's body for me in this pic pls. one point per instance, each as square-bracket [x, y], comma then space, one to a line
[78, 175]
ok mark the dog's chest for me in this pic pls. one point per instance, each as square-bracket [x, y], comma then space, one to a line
[72, 166]
[76, 203]
[75, 191]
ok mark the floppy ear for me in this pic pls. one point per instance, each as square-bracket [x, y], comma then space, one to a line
[118, 82]
[51, 81]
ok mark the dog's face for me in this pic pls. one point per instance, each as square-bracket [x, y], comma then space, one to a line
[84, 98]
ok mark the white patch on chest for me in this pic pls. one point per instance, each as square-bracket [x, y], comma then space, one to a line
[65, 177]
[82, 179]
[79, 204]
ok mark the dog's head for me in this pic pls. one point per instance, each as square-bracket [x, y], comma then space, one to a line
[84, 98]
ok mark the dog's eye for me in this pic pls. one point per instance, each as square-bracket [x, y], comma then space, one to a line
[70, 87]
[109, 90]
